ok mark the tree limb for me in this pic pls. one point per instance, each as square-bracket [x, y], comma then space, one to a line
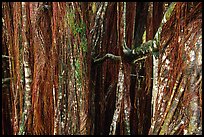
[107, 56]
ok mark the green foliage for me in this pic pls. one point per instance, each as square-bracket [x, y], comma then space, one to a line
[84, 45]
[81, 29]
[78, 29]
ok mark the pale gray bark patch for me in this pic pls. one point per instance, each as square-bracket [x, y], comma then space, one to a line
[119, 95]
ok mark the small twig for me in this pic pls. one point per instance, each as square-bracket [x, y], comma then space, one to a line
[140, 76]
[4, 80]
[4, 56]
[139, 59]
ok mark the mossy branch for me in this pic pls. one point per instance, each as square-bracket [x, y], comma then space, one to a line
[152, 45]
[149, 47]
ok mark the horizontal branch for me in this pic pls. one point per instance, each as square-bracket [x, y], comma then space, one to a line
[4, 80]
[4, 56]
[107, 56]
